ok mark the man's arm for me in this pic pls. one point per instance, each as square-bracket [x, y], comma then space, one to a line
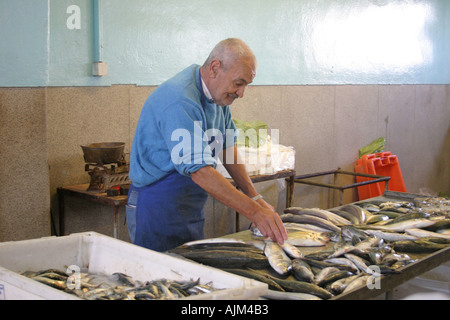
[267, 220]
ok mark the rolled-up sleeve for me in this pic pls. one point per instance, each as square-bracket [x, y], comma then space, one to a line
[184, 134]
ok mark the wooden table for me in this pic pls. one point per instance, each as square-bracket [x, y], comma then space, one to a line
[80, 191]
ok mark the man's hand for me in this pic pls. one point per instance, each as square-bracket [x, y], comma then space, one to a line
[269, 223]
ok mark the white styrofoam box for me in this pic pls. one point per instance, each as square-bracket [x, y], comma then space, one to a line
[105, 255]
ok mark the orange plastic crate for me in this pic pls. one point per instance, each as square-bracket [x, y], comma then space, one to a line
[381, 164]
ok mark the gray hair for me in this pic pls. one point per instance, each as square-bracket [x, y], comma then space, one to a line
[228, 51]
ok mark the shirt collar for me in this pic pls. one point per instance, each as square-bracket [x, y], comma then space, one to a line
[206, 91]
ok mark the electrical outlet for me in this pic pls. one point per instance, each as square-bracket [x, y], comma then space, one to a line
[99, 69]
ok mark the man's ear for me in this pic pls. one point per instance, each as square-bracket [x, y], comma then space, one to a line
[214, 68]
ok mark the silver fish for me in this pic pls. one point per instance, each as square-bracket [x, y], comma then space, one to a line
[359, 263]
[278, 259]
[307, 219]
[276, 295]
[291, 250]
[424, 234]
[339, 286]
[306, 239]
[324, 214]
[390, 236]
[302, 271]
[408, 224]
[344, 261]
[357, 283]
[324, 273]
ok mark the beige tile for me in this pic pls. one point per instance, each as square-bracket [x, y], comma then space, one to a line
[25, 204]
[395, 123]
[431, 138]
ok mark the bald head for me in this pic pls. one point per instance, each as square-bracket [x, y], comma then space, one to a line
[229, 51]
[229, 69]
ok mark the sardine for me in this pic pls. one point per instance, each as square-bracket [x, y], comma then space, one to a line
[346, 215]
[278, 259]
[322, 274]
[417, 246]
[58, 284]
[334, 276]
[275, 295]
[228, 259]
[306, 239]
[424, 233]
[390, 236]
[302, 271]
[359, 262]
[305, 227]
[213, 240]
[356, 211]
[306, 219]
[344, 261]
[357, 283]
[303, 287]
[256, 276]
[408, 224]
[339, 285]
[320, 213]
[291, 250]
[409, 216]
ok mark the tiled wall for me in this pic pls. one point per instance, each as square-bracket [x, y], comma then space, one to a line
[42, 130]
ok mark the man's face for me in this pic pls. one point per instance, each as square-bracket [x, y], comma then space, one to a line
[230, 84]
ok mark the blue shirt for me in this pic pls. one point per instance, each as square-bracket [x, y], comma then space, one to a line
[179, 129]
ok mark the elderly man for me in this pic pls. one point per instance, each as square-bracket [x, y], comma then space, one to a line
[184, 125]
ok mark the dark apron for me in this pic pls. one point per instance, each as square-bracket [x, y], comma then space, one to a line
[167, 213]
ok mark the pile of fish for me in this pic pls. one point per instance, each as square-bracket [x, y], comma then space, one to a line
[118, 286]
[363, 242]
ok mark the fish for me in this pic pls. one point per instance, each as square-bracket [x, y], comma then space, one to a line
[360, 213]
[228, 259]
[334, 276]
[359, 263]
[339, 285]
[408, 216]
[307, 219]
[403, 225]
[303, 287]
[213, 241]
[324, 273]
[275, 295]
[123, 279]
[302, 271]
[320, 213]
[58, 284]
[346, 215]
[424, 233]
[323, 264]
[377, 218]
[306, 239]
[305, 227]
[344, 261]
[357, 283]
[277, 258]
[248, 273]
[291, 250]
[390, 236]
[417, 246]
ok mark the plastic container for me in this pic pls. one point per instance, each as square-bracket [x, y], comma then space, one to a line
[104, 255]
[381, 164]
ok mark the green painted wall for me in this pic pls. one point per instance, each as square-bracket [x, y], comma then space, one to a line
[297, 42]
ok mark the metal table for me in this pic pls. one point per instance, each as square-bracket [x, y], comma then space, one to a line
[80, 191]
[425, 262]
